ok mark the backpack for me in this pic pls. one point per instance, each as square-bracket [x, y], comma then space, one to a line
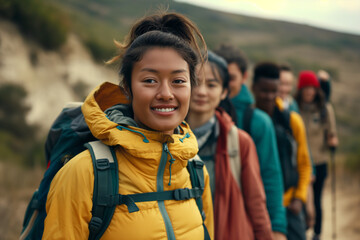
[287, 148]
[70, 135]
[286, 144]
[248, 113]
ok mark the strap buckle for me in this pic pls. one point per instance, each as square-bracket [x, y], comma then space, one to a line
[95, 224]
[182, 194]
[129, 202]
[102, 164]
[198, 164]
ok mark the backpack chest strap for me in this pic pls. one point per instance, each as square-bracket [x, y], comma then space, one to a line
[130, 200]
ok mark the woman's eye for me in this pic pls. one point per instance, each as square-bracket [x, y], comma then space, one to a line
[149, 80]
[177, 81]
[211, 85]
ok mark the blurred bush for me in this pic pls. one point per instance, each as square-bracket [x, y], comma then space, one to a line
[100, 51]
[18, 140]
[38, 20]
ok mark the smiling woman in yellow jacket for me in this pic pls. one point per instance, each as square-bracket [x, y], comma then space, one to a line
[152, 142]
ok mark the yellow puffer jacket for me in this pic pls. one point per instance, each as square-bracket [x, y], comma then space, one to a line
[141, 170]
[303, 157]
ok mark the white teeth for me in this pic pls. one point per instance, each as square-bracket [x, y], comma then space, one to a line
[164, 109]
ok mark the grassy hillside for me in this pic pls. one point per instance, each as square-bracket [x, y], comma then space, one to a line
[302, 46]
[101, 21]
[97, 23]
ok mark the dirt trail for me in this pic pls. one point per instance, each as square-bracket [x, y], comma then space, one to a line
[347, 208]
[17, 186]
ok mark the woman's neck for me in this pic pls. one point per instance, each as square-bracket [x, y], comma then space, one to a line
[196, 120]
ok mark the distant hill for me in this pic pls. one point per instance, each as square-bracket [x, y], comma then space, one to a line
[304, 47]
[96, 23]
[104, 20]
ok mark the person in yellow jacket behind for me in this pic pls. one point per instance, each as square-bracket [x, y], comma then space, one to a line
[265, 87]
[152, 142]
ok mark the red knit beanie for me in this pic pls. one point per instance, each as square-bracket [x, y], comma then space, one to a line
[308, 78]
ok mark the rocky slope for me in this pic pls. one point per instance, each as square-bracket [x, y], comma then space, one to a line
[51, 78]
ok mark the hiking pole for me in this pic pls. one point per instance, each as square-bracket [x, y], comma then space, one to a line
[333, 191]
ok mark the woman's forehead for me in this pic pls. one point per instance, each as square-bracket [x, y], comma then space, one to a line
[162, 59]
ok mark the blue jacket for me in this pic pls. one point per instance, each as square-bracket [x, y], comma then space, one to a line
[263, 133]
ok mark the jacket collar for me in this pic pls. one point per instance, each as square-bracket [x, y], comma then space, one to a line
[244, 97]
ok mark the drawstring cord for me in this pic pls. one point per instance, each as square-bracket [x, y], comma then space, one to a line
[145, 140]
[172, 160]
[187, 135]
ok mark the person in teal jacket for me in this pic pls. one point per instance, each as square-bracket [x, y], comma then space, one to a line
[263, 133]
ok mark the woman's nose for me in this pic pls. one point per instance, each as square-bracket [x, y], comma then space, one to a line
[165, 92]
[200, 89]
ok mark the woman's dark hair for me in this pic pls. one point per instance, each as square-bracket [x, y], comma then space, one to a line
[319, 101]
[218, 63]
[221, 65]
[165, 30]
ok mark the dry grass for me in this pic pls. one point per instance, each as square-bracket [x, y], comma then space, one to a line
[16, 188]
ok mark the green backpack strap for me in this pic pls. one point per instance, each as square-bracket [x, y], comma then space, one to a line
[248, 113]
[106, 185]
[196, 170]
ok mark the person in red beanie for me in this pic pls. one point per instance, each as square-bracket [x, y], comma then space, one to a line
[320, 124]
[308, 79]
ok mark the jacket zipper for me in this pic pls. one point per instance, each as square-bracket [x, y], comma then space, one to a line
[160, 187]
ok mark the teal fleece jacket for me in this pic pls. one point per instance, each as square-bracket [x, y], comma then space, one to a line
[263, 133]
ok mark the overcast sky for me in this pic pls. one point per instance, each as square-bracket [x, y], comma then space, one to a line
[338, 15]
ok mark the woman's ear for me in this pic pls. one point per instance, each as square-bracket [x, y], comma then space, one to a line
[224, 94]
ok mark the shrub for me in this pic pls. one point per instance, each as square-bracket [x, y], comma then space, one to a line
[18, 140]
[38, 20]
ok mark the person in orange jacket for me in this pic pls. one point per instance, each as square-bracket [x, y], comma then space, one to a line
[239, 198]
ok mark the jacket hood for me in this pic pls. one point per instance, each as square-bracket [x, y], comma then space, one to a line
[108, 113]
[244, 97]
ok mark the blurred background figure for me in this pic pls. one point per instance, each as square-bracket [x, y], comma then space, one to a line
[286, 88]
[237, 189]
[285, 93]
[260, 127]
[291, 145]
[319, 119]
[325, 83]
